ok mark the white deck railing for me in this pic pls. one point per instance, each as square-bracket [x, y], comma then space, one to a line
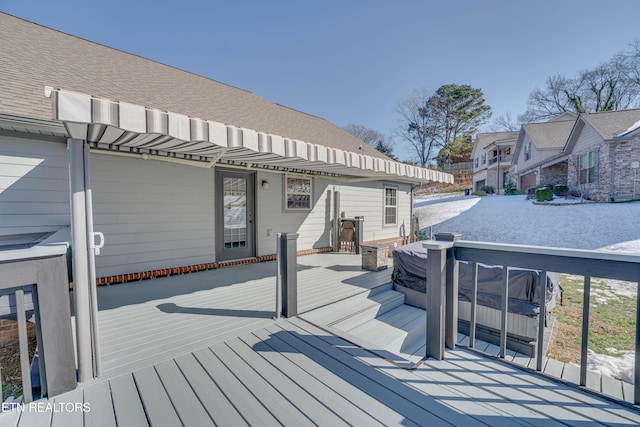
[442, 289]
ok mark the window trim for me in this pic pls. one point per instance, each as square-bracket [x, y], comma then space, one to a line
[287, 193]
[385, 206]
[591, 176]
[484, 158]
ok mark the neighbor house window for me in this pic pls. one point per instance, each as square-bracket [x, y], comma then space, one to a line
[587, 167]
[390, 206]
[527, 151]
[298, 192]
[476, 162]
[484, 159]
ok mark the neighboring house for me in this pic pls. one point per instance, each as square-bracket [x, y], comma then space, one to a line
[538, 157]
[492, 155]
[603, 152]
[186, 172]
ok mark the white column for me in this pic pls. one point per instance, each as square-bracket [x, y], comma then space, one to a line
[81, 290]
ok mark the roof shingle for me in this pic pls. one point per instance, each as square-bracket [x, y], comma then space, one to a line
[35, 56]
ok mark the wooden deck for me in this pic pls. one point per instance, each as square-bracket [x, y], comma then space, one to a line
[292, 373]
[203, 349]
[152, 320]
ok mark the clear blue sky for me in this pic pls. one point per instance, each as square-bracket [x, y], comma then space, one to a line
[353, 61]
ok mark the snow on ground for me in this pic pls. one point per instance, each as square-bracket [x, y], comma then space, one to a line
[614, 227]
[610, 227]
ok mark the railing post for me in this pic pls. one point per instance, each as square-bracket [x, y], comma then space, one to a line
[636, 372]
[336, 221]
[504, 312]
[359, 233]
[435, 297]
[288, 267]
[541, 319]
[451, 312]
[584, 342]
[474, 304]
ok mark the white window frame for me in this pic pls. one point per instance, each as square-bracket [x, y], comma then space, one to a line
[590, 169]
[484, 158]
[287, 192]
[385, 206]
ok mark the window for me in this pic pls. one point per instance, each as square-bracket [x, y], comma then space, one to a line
[527, 151]
[484, 158]
[587, 167]
[390, 206]
[476, 162]
[298, 192]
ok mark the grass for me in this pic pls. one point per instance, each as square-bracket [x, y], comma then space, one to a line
[611, 321]
[10, 363]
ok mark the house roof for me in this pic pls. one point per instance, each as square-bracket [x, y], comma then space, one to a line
[487, 138]
[549, 135]
[42, 57]
[608, 124]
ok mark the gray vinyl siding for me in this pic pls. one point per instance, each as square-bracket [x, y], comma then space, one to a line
[367, 199]
[34, 185]
[153, 214]
[588, 140]
[314, 226]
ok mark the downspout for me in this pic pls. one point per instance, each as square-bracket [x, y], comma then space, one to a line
[613, 172]
[81, 288]
[93, 250]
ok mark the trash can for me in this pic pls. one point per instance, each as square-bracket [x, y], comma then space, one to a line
[467, 192]
[374, 257]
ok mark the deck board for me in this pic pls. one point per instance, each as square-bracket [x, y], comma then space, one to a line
[294, 372]
[101, 413]
[126, 402]
[146, 322]
[252, 410]
[69, 418]
[272, 352]
[349, 393]
[154, 398]
[212, 398]
[223, 361]
[308, 405]
[184, 400]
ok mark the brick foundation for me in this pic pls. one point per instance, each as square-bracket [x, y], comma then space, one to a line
[9, 331]
[134, 277]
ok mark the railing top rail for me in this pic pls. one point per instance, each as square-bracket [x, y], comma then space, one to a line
[55, 244]
[548, 250]
[35, 252]
[561, 260]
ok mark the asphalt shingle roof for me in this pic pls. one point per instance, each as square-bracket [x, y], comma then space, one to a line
[34, 56]
[550, 134]
[612, 123]
[487, 138]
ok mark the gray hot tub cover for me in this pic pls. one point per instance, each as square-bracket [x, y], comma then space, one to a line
[410, 271]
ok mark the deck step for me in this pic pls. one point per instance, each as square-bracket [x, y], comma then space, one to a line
[401, 331]
[359, 307]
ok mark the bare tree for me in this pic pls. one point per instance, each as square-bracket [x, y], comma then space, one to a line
[431, 121]
[372, 137]
[504, 123]
[611, 85]
[416, 128]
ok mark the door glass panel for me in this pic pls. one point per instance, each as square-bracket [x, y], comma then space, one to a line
[235, 212]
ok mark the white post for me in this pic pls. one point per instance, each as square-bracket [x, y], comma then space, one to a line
[91, 254]
[82, 297]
